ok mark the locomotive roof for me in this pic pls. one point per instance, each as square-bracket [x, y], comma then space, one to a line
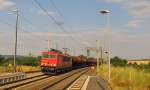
[52, 51]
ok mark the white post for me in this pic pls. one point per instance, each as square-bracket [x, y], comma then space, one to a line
[16, 34]
[109, 47]
[48, 41]
[97, 51]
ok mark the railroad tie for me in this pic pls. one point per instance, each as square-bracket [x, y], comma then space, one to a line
[77, 85]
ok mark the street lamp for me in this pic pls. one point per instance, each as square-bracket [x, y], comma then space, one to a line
[106, 12]
[16, 34]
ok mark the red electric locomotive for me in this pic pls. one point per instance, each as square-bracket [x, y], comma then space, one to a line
[54, 61]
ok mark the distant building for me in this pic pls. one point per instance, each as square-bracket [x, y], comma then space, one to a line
[139, 62]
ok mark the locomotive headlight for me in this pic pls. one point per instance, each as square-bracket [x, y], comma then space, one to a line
[41, 63]
[54, 64]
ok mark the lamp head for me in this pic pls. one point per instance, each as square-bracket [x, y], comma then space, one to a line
[104, 11]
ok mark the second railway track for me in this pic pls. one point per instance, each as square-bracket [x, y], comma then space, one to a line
[65, 82]
[58, 82]
[23, 82]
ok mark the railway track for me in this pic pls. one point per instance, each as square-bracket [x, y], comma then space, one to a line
[22, 82]
[28, 76]
[65, 82]
[28, 72]
[58, 82]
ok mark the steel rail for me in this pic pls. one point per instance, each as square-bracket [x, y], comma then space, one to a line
[65, 78]
[23, 82]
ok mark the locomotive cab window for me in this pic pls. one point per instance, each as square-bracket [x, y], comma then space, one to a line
[52, 56]
[45, 55]
[49, 56]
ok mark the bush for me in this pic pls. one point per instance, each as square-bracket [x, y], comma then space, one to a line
[21, 60]
[116, 61]
[29, 61]
[1, 59]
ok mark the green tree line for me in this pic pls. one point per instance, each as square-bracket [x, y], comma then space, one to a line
[119, 62]
[21, 60]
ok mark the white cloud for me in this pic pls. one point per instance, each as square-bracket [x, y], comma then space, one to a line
[139, 9]
[6, 4]
[114, 1]
[133, 24]
[41, 12]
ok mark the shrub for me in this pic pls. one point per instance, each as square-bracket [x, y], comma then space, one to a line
[21, 60]
[116, 61]
[1, 59]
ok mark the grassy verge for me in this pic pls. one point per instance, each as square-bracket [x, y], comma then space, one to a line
[19, 69]
[126, 78]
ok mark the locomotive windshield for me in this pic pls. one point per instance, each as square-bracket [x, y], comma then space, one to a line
[49, 56]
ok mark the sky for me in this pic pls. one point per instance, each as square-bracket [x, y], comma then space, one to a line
[76, 24]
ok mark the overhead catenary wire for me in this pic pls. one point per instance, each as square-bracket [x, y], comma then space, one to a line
[4, 22]
[11, 25]
[61, 14]
[58, 10]
[30, 23]
[21, 29]
[54, 20]
[54, 5]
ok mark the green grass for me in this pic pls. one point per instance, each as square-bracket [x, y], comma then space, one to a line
[127, 78]
[19, 69]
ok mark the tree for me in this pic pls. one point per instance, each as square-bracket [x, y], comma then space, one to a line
[29, 61]
[116, 61]
[1, 59]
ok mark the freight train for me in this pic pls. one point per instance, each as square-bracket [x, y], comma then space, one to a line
[54, 61]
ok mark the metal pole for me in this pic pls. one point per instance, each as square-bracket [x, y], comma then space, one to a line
[97, 57]
[109, 47]
[101, 55]
[56, 45]
[16, 32]
[48, 46]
